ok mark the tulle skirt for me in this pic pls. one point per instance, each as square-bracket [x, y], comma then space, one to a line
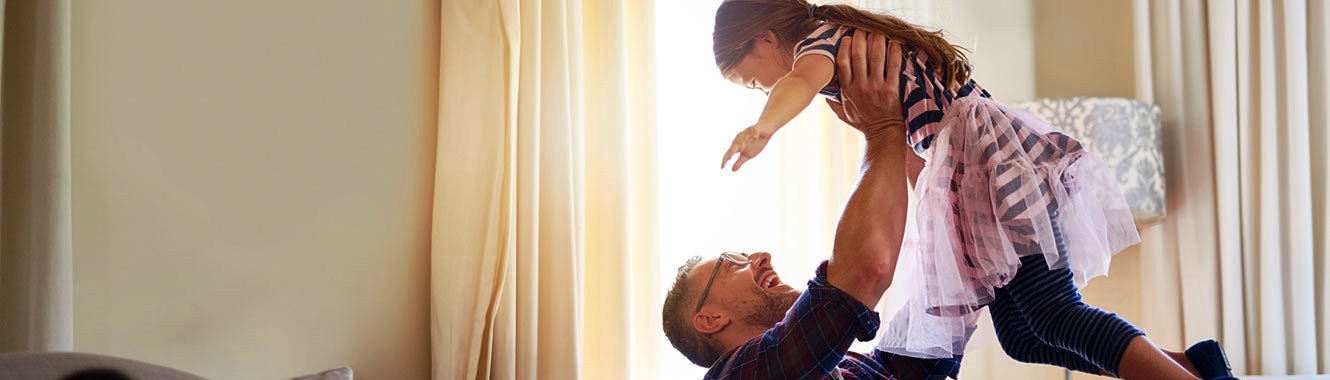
[996, 185]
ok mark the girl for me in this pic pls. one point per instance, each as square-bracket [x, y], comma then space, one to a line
[1012, 214]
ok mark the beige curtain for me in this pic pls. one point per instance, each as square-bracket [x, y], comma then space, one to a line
[543, 236]
[1243, 89]
[36, 271]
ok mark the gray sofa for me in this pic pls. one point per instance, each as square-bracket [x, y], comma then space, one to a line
[57, 365]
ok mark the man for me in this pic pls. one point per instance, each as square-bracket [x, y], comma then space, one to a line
[733, 313]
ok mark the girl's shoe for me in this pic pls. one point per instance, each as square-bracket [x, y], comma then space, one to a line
[1210, 361]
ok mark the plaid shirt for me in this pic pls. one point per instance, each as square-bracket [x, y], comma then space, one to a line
[813, 343]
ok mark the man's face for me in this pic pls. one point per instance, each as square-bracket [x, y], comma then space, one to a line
[751, 294]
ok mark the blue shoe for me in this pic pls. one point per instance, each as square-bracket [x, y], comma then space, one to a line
[1210, 361]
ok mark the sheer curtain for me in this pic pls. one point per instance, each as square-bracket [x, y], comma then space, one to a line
[543, 238]
[786, 201]
[1243, 89]
[36, 263]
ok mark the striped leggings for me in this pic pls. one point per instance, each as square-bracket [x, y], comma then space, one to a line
[1040, 318]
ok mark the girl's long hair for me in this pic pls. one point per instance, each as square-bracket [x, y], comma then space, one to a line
[738, 21]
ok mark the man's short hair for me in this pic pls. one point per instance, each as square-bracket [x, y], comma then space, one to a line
[678, 322]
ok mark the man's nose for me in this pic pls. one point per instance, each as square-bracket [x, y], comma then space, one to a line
[760, 259]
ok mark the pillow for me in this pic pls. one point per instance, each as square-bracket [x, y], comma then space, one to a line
[343, 373]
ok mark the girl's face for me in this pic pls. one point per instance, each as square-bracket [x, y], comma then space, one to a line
[764, 65]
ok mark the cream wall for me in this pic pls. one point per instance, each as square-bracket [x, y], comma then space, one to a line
[1084, 48]
[1000, 36]
[252, 184]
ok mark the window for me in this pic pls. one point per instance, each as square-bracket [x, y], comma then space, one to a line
[786, 201]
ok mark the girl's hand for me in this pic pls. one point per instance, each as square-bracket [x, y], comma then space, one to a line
[748, 143]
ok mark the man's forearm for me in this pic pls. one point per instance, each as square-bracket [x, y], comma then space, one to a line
[869, 235]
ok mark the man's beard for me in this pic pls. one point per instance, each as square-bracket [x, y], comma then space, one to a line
[769, 309]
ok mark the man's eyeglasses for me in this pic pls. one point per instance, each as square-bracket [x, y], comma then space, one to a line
[736, 258]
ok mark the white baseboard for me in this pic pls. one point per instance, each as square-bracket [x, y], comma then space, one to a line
[1301, 377]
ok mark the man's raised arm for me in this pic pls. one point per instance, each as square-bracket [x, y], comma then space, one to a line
[868, 237]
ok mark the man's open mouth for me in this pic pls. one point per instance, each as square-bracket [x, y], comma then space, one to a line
[768, 279]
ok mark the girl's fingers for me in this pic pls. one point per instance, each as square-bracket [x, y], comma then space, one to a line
[740, 162]
[734, 148]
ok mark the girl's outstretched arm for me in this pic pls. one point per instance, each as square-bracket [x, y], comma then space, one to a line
[789, 96]
[792, 94]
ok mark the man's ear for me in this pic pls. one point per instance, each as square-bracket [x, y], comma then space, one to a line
[709, 321]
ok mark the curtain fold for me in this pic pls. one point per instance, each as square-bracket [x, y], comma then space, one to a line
[544, 191]
[1318, 58]
[622, 299]
[36, 252]
[1242, 85]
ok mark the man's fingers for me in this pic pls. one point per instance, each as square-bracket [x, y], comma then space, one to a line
[877, 54]
[838, 108]
[843, 72]
[894, 58]
[857, 56]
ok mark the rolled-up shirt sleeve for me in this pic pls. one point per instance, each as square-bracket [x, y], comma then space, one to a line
[809, 343]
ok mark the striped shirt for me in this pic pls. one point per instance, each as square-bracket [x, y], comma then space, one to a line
[924, 97]
[813, 342]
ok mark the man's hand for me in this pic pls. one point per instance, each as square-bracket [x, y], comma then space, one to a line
[868, 68]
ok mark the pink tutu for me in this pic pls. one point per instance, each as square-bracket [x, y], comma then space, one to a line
[997, 184]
